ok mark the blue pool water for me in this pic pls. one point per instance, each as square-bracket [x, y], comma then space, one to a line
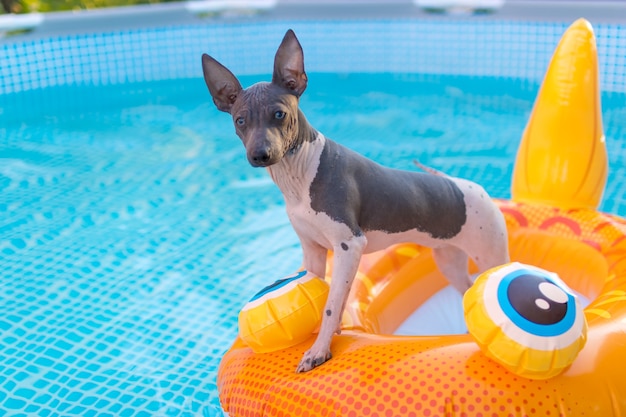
[132, 228]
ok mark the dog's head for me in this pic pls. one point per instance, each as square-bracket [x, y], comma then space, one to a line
[266, 114]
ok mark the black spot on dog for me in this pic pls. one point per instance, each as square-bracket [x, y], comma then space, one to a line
[329, 313]
[320, 360]
[344, 246]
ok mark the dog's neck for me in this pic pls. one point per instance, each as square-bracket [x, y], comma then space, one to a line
[294, 173]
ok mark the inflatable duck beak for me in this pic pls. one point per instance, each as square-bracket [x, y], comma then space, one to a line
[562, 158]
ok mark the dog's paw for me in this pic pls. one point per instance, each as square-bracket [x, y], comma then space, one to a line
[312, 360]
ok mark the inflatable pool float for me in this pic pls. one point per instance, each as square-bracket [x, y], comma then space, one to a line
[526, 319]
[552, 223]
[284, 313]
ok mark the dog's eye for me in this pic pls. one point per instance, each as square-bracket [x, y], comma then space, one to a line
[240, 121]
[279, 115]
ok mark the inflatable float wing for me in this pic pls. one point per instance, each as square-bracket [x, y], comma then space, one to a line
[562, 157]
[552, 223]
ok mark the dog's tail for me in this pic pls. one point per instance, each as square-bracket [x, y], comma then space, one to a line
[428, 169]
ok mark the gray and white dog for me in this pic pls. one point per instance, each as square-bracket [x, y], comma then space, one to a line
[339, 200]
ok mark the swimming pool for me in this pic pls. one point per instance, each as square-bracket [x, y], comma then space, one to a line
[132, 227]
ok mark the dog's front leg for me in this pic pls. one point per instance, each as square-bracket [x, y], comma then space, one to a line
[346, 257]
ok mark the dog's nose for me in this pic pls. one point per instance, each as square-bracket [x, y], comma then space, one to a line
[260, 157]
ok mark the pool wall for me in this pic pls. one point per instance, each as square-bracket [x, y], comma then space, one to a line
[423, 46]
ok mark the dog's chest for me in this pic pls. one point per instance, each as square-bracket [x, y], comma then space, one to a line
[296, 192]
[294, 176]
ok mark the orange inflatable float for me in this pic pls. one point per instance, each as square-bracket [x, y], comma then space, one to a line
[552, 223]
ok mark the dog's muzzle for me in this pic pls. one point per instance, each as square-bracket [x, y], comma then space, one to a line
[261, 157]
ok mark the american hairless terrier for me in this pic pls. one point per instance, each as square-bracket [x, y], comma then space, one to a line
[339, 200]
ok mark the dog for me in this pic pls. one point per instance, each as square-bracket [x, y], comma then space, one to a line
[338, 200]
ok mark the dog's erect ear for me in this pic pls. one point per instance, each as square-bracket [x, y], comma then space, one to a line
[223, 85]
[289, 65]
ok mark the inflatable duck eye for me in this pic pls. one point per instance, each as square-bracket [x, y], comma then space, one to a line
[284, 313]
[526, 319]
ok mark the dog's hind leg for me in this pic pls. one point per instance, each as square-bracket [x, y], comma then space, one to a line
[453, 264]
[314, 258]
